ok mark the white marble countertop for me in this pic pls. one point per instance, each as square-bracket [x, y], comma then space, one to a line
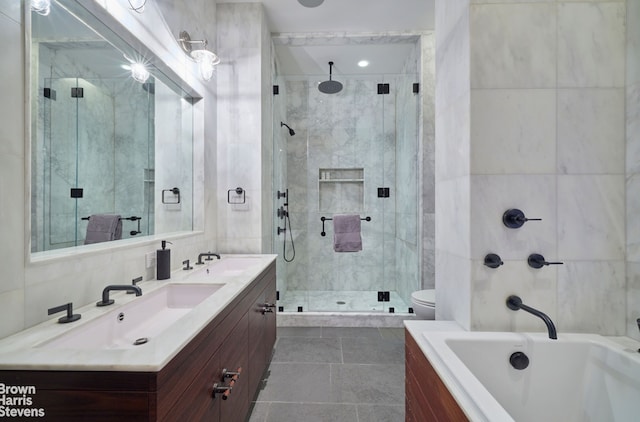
[22, 351]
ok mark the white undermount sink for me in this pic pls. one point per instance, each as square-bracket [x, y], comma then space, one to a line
[137, 322]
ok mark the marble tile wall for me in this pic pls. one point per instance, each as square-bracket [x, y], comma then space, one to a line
[546, 136]
[452, 162]
[243, 141]
[28, 288]
[427, 134]
[173, 157]
[408, 243]
[633, 167]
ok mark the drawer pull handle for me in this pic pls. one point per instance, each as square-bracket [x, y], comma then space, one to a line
[234, 375]
[225, 390]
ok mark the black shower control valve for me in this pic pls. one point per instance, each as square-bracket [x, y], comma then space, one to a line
[282, 213]
[281, 230]
[492, 260]
[514, 218]
[537, 261]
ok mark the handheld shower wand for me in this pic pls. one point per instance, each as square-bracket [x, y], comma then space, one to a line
[283, 213]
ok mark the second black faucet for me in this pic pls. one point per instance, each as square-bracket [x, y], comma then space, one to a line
[105, 293]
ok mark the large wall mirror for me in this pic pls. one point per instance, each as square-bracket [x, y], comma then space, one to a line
[107, 141]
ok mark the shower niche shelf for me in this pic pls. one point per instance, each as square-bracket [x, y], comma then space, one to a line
[341, 175]
[341, 189]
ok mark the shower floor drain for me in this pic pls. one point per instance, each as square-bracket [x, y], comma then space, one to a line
[341, 302]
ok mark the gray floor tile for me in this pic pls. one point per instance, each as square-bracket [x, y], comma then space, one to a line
[392, 333]
[304, 349]
[350, 332]
[297, 382]
[380, 413]
[312, 412]
[372, 350]
[299, 332]
[341, 374]
[367, 384]
[259, 412]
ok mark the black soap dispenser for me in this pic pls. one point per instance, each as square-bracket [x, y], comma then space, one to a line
[163, 262]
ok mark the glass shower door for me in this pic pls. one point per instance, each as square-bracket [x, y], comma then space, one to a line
[61, 167]
[93, 159]
[354, 152]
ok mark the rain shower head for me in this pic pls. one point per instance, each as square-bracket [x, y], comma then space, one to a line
[330, 86]
[291, 131]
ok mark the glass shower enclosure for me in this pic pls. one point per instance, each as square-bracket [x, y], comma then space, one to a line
[89, 155]
[353, 152]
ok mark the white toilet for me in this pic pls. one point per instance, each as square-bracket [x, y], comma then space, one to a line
[424, 303]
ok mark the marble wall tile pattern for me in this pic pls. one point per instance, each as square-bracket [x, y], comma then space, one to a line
[553, 105]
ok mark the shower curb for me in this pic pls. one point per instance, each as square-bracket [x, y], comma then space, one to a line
[342, 319]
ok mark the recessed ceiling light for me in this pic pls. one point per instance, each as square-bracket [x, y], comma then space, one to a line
[310, 3]
[363, 63]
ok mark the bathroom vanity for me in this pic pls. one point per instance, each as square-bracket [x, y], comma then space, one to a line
[207, 365]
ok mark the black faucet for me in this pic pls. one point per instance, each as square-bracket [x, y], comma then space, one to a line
[70, 315]
[105, 293]
[208, 255]
[514, 303]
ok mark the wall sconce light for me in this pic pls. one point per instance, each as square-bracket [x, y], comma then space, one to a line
[137, 5]
[138, 70]
[206, 59]
[42, 7]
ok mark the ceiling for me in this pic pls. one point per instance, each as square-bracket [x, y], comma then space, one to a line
[345, 32]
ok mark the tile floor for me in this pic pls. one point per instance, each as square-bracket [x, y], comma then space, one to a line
[334, 374]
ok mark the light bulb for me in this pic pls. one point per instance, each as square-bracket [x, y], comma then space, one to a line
[42, 7]
[139, 72]
[206, 61]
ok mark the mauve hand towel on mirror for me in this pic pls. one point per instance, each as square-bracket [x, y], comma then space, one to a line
[346, 233]
[103, 228]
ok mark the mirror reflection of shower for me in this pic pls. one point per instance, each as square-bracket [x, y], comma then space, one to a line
[283, 214]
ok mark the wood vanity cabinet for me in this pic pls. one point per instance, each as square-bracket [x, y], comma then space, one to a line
[427, 399]
[241, 336]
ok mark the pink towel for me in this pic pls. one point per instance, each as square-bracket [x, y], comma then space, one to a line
[346, 233]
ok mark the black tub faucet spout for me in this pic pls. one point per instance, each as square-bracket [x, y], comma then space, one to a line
[515, 303]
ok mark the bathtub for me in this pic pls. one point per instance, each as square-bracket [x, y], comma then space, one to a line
[579, 377]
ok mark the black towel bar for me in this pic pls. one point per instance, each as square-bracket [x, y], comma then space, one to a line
[323, 219]
[132, 218]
